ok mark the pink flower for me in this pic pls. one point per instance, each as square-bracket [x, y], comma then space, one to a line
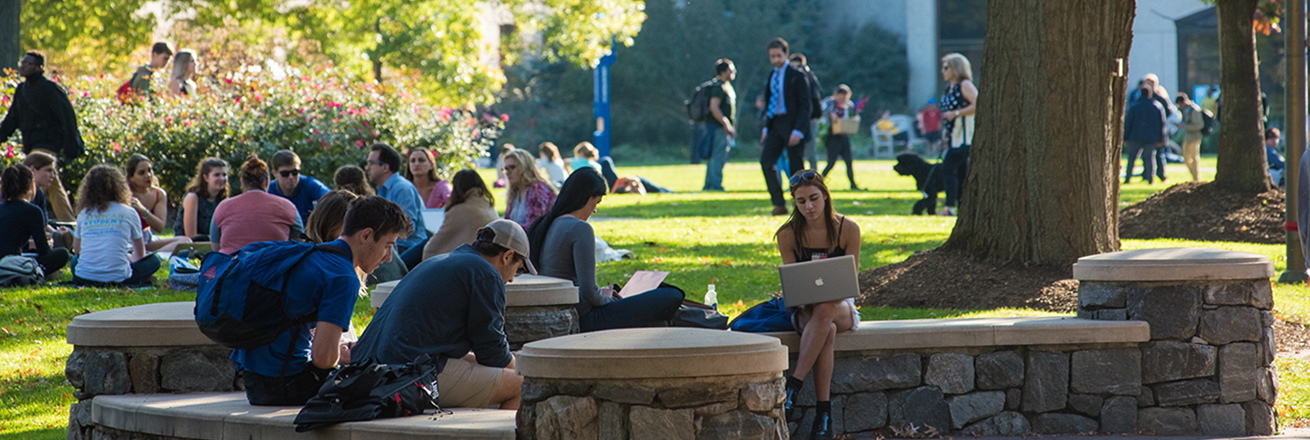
[333, 104]
[238, 99]
[504, 117]
[222, 122]
[168, 119]
[117, 148]
[360, 144]
[9, 152]
[366, 124]
[229, 80]
[188, 124]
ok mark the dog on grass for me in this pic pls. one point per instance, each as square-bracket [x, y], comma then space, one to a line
[927, 179]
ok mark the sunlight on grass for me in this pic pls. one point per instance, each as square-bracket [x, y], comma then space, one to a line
[1293, 391]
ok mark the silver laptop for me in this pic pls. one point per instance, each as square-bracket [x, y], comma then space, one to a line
[819, 281]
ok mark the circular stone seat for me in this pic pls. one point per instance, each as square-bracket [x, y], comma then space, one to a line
[652, 353]
[147, 325]
[536, 307]
[1173, 264]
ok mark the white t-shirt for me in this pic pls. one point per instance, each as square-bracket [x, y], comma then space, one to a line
[107, 236]
[555, 169]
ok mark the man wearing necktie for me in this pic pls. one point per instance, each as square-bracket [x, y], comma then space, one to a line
[787, 112]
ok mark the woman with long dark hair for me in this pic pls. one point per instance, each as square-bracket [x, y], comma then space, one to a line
[24, 221]
[815, 232]
[206, 190]
[422, 172]
[105, 227]
[564, 246]
[150, 202]
[470, 207]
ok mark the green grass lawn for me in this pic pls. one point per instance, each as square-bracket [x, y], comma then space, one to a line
[702, 238]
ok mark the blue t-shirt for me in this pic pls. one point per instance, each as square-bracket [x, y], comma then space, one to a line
[323, 281]
[306, 195]
[398, 190]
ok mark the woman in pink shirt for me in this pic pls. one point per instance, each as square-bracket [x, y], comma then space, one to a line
[255, 215]
[422, 172]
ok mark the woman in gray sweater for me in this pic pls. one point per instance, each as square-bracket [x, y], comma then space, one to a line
[564, 246]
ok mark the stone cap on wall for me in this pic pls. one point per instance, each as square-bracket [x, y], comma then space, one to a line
[230, 416]
[652, 353]
[1173, 264]
[525, 291]
[147, 325]
[979, 332]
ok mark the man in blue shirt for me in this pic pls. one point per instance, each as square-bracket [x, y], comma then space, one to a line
[1144, 131]
[383, 170]
[302, 191]
[452, 307]
[324, 282]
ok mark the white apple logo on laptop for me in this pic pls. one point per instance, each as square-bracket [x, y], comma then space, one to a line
[818, 282]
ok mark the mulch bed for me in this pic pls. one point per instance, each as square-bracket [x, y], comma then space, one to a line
[948, 280]
[1206, 212]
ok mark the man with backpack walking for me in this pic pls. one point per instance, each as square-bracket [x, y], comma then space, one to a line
[139, 85]
[798, 61]
[320, 287]
[41, 110]
[1194, 123]
[452, 308]
[718, 131]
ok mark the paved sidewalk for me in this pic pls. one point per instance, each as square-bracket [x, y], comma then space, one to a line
[1288, 434]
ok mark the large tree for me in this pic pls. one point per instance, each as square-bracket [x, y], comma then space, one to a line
[1043, 174]
[1241, 165]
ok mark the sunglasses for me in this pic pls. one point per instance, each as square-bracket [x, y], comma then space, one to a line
[288, 173]
[808, 175]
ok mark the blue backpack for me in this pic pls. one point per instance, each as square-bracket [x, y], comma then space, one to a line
[240, 303]
[768, 316]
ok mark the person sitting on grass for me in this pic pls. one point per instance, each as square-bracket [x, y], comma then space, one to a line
[255, 215]
[548, 160]
[585, 155]
[422, 172]
[106, 227]
[461, 325]
[471, 204]
[150, 202]
[207, 189]
[24, 222]
[45, 174]
[302, 190]
[326, 284]
[529, 196]
[564, 246]
[352, 178]
[815, 232]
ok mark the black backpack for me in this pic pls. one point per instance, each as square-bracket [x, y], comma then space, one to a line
[1209, 122]
[816, 95]
[368, 390]
[698, 106]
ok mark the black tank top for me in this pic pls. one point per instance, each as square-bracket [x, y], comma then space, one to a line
[810, 254]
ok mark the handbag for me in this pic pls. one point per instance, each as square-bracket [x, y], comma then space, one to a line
[367, 390]
[694, 314]
[768, 316]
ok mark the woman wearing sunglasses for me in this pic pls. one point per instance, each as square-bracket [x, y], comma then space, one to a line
[529, 196]
[814, 232]
[255, 215]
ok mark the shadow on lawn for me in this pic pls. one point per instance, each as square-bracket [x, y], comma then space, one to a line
[853, 203]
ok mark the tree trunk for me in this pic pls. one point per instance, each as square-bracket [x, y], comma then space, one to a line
[1241, 164]
[1043, 181]
[11, 44]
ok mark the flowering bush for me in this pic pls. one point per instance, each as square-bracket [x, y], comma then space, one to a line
[326, 118]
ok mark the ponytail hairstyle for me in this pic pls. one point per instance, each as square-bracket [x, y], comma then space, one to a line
[254, 173]
[15, 182]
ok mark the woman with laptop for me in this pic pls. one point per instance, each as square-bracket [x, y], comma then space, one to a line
[564, 246]
[815, 232]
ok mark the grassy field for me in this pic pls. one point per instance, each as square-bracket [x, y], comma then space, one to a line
[703, 238]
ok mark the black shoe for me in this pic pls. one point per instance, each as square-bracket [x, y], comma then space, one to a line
[822, 427]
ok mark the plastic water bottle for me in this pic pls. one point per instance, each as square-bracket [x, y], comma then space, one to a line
[712, 298]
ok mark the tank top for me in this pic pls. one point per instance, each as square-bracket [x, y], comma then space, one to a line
[810, 254]
[959, 131]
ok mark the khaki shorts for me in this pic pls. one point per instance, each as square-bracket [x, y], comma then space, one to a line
[467, 385]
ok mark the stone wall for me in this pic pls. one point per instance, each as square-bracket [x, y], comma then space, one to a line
[719, 407]
[534, 323]
[95, 371]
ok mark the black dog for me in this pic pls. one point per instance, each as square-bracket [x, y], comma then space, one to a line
[927, 179]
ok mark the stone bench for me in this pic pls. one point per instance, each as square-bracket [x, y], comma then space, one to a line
[536, 307]
[1166, 342]
[220, 416]
[143, 349]
[653, 383]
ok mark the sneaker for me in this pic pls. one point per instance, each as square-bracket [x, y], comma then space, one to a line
[779, 210]
[822, 427]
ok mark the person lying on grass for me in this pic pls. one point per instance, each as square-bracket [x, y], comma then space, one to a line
[814, 232]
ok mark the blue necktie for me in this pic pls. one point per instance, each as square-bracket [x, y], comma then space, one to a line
[775, 84]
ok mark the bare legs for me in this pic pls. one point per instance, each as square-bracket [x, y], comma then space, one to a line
[820, 324]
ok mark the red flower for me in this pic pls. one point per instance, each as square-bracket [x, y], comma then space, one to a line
[222, 122]
[358, 143]
[238, 99]
[117, 148]
[504, 117]
[229, 80]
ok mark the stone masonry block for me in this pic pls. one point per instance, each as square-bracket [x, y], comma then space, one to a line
[1046, 382]
[1119, 415]
[1169, 360]
[856, 375]
[1231, 324]
[1172, 311]
[951, 372]
[1113, 371]
[1221, 420]
[998, 370]
[1239, 372]
[1093, 295]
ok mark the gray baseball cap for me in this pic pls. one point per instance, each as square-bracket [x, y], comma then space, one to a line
[510, 235]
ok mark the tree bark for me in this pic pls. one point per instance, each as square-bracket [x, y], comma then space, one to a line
[1043, 184]
[1241, 164]
[11, 45]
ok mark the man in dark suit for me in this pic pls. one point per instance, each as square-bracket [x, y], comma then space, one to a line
[787, 112]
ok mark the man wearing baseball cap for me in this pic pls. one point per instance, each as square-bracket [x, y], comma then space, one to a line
[452, 307]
